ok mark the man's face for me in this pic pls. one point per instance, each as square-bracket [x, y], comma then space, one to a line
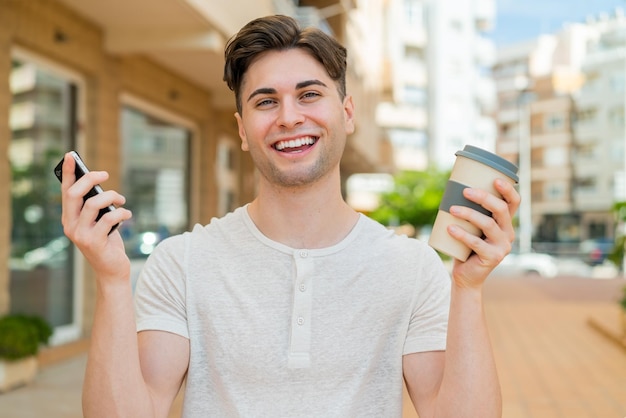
[293, 121]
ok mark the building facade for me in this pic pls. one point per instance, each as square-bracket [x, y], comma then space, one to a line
[136, 88]
[438, 94]
[561, 118]
[462, 96]
[600, 132]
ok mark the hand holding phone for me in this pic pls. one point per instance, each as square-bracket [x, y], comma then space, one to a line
[80, 170]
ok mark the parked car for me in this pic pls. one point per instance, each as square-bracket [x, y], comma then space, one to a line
[524, 264]
[595, 251]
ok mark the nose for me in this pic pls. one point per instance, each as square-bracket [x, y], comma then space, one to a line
[289, 114]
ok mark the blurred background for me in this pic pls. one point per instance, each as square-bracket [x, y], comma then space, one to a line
[136, 87]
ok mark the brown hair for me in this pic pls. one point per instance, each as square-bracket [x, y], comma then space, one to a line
[276, 33]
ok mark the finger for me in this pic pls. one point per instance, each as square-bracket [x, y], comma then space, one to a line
[70, 206]
[69, 177]
[94, 204]
[73, 196]
[509, 194]
[491, 229]
[488, 253]
[499, 208]
[110, 219]
[83, 185]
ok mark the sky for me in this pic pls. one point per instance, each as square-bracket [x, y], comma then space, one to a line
[521, 20]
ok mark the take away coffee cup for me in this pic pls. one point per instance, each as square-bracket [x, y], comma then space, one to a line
[474, 167]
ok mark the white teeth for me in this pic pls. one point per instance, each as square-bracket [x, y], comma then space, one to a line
[295, 143]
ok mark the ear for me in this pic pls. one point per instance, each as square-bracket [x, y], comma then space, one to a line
[242, 133]
[348, 111]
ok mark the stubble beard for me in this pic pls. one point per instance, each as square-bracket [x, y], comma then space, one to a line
[298, 176]
[295, 177]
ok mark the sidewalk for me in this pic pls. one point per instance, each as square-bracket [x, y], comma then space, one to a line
[56, 393]
[551, 362]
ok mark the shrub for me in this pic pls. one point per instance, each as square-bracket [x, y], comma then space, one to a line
[21, 336]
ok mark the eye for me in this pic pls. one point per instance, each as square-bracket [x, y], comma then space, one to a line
[265, 102]
[310, 95]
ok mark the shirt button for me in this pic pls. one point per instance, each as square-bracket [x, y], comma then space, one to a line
[304, 254]
[300, 320]
[302, 287]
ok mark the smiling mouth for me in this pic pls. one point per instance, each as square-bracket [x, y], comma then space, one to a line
[295, 145]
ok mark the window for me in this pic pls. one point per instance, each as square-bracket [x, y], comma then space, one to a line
[586, 151]
[616, 116]
[43, 122]
[415, 95]
[554, 122]
[616, 82]
[155, 183]
[413, 13]
[586, 114]
[408, 138]
[586, 184]
[555, 157]
[555, 191]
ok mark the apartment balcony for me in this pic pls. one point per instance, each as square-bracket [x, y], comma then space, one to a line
[415, 37]
[485, 12]
[507, 116]
[508, 146]
[552, 173]
[587, 131]
[587, 200]
[416, 75]
[28, 115]
[552, 139]
[485, 127]
[556, 207]
[485, 51]
[511, 84]
[485, 93]
[391, 115]
[23, 79]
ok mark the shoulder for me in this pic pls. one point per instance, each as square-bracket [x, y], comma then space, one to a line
[388, 239]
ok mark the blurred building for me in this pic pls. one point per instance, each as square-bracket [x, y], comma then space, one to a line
[438, 94]
[462, 95]
[136, 87]
[403, 112]
[557, 95]
[599, 128]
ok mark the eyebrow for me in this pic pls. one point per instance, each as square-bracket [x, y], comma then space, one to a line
[308, 83]
[300, 85]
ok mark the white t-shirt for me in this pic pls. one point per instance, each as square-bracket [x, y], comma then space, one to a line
[281, 332]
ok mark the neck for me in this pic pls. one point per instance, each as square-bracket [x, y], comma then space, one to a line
[315, 216]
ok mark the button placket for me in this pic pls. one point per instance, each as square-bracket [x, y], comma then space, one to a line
[300, 339]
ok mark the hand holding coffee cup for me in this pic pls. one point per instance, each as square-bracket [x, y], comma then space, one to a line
[476, 168]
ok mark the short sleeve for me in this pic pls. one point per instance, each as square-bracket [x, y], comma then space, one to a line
[160, 294]
[428, 325]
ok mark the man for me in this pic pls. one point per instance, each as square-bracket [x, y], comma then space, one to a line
[295, 304]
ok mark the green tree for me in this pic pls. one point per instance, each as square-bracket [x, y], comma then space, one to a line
[414, 200]
[617, 254]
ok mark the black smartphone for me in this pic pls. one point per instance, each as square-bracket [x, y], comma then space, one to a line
[80, 170]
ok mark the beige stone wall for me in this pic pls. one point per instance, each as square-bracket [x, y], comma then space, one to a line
[49, 29]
